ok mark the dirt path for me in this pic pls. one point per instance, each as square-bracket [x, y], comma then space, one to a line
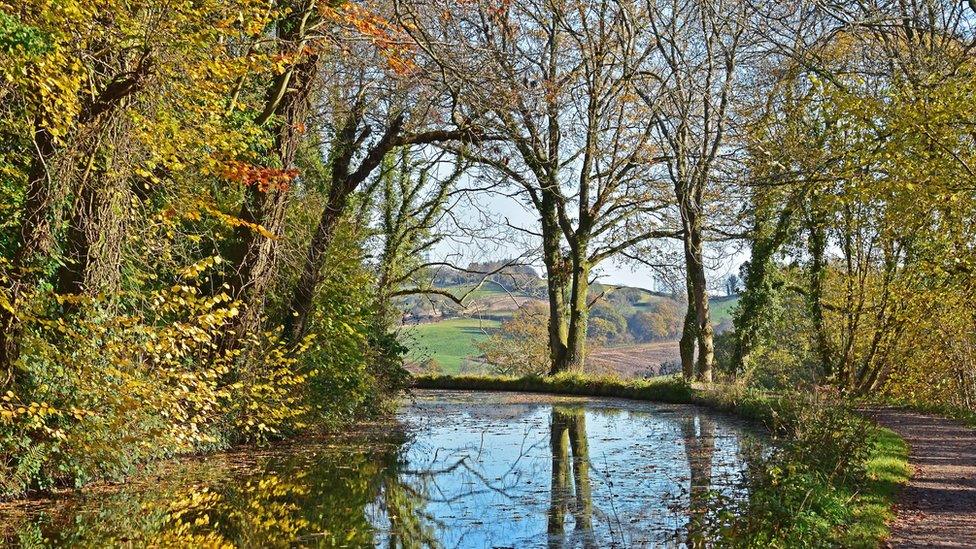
[938, 507]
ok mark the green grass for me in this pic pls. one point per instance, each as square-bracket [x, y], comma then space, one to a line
[721, 308]
[450, 342]
[887, 471]
[488, 289]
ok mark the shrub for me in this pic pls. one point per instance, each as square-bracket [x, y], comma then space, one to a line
[521, 345]
[802, 493]
[108, 384]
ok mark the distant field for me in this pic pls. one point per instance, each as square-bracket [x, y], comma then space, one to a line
[721, 308]
[488, 289]
[449, 342]
[632, 361]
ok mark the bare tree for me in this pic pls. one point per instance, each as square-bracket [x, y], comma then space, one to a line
[415, 205]
[375, 109]
[690, 87]
[558, 81]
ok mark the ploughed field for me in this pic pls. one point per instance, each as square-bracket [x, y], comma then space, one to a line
[452, 469]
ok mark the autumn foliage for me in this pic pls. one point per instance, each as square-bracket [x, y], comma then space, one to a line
[265, 179]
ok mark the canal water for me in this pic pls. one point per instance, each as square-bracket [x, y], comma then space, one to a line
[454, 469]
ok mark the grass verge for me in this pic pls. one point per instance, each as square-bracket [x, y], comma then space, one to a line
[665, 389]
[887, 471]
[831, 482]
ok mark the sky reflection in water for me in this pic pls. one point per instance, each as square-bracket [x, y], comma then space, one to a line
[503, 470]
[457, 470]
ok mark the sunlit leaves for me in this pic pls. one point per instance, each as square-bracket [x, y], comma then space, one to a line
[266, 179]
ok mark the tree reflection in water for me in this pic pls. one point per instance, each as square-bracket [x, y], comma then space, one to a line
[457, 471]
[318, 496]
[568, 434]
[698, 433]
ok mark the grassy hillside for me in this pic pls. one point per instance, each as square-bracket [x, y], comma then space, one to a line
[448, 342]
[488, 289]
[722, 307]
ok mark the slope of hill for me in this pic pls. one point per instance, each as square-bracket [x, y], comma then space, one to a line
[449, 343]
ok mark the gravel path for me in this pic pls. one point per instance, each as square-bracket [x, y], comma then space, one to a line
[938, 507]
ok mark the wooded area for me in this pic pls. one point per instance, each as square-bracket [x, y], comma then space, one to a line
[211, 210]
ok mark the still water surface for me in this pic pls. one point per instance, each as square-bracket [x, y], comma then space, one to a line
[456, 469]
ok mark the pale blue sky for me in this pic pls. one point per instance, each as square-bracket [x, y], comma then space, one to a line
[491, 212]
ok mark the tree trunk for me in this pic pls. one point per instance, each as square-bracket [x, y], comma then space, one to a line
[558, 325]
[45, 191]
[556, 285]
[95, 234]
[758, 292]
[302, 301]
[705, 333]
[252, 255]
[689, 329]
[818, 274]
[341, 186]
[690, 207]
[578, 314]
[252, 259]
[33, 246]
[344, 182]
[71, 274]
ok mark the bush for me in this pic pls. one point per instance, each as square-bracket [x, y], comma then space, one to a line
[804, 493]
[96, 392]
[521, 345]
[107, 385]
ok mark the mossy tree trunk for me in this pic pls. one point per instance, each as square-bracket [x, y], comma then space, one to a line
[689, 196]
[770, 231]
[578, 314]
[47, 186]
[556, 284]
[817, 247]
[252, 255]
[689, 329]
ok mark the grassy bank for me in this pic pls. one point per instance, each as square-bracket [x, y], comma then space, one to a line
[831, 482]
[887, 471]
[664, 389]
